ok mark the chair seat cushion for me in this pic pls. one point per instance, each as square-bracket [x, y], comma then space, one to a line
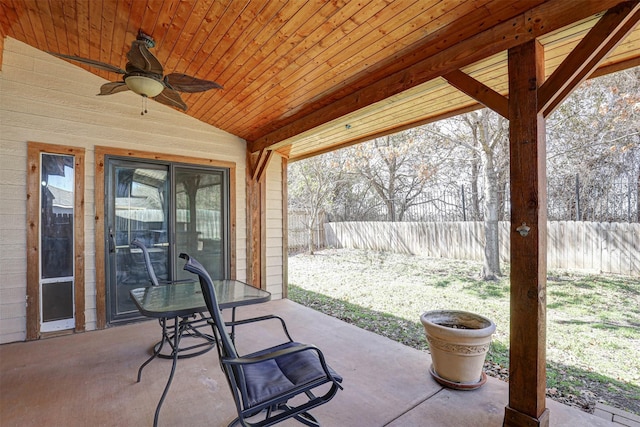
[271, 378]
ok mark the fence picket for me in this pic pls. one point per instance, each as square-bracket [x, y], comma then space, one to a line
[552, 238]
[625, 253]
[505, 241]
[578, 246]
[591, 245]
[616, 253]
[634, 255]
[571, 243]
[606, 254]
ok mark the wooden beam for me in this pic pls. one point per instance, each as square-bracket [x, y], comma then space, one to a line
[286, 149]
[527, 357]
[525, 27]
[384, 132]
[480, 92]
[615, 67]
[610, 30]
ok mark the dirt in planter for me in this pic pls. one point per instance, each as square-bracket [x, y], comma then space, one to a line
[454, 326]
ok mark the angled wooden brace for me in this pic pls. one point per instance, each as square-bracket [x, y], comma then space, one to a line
[479, 91]
[259, 164]
[603, 38]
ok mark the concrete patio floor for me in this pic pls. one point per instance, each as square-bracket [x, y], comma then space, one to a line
[89, 379]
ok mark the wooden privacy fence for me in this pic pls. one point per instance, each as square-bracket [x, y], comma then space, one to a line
[298, 231]
[599, 247]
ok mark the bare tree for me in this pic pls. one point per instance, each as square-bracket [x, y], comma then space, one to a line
[595, 134]
[312, 184]
[397, 167]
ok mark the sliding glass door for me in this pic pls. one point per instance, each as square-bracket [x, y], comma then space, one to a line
[200, 219]
[172, 209]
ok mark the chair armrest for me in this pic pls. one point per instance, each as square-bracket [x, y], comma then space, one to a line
[260, 319]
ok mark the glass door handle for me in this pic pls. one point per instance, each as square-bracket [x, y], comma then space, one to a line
[112, 242]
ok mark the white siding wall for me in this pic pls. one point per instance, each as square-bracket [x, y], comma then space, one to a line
[275, 251]
[45, 99]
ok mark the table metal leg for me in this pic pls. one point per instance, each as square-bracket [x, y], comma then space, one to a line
[176, 347]
[204, 343]
[172, 336]
[157, 348]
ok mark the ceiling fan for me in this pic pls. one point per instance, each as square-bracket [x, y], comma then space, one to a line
[144, 75]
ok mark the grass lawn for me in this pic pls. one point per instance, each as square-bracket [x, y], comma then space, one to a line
[593, 321]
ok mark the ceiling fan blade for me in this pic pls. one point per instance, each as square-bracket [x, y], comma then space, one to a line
[91, 62]
[113, 87]
[171, 98]
[140, 58]
[189, 84]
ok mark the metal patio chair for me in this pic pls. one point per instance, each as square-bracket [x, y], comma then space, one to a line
[189, 325]
[263, 383]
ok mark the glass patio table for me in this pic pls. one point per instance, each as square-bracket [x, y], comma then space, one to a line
[181, 302]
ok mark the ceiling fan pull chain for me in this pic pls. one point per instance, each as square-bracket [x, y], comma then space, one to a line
[144, 106]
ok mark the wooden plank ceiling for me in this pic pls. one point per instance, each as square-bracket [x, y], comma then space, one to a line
[307, 77]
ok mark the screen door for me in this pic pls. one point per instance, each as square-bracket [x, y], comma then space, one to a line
[57, 242]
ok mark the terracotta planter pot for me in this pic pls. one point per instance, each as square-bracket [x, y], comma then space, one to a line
[459, 342]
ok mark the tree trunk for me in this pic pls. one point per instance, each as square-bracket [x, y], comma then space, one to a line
[310, 239]
[491, 267]
[475, 199]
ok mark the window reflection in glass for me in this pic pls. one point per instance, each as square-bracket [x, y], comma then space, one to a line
[56, 207]
[199, 220]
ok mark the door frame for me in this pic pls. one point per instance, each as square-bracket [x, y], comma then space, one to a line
[100, 153]
[34, 149]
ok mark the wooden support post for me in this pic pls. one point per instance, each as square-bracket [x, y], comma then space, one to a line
[256, 217]
[254, 232]
[285, 228]
[2, 36]
[527, 354]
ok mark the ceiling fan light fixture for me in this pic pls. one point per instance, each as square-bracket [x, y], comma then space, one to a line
[145, 76]
[145, 86]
